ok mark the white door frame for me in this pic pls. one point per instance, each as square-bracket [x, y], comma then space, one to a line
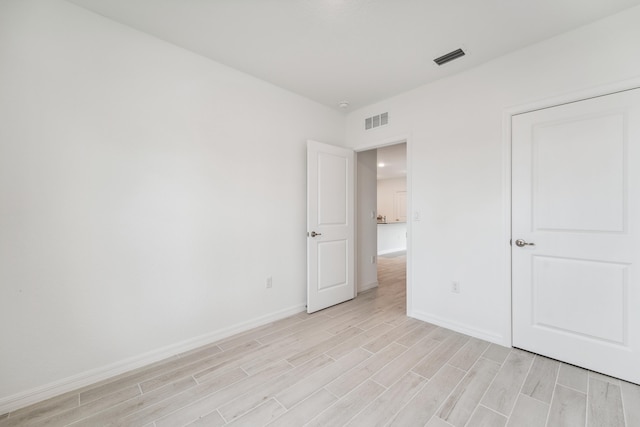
[400, 139]
[506, 171]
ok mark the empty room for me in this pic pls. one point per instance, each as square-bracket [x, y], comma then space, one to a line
[191, 224]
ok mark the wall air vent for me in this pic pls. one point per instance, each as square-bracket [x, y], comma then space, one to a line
[376, 121]
[449, 57]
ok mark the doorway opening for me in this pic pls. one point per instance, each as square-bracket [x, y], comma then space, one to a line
[381, 206]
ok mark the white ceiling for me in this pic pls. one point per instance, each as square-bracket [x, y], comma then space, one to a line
[361, 51]
[394, 158]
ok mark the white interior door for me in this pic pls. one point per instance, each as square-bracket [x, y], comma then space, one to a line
[330, 225]
[576, 212]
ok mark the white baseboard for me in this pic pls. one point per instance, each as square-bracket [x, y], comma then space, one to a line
[366, 287]
[83, 379]
[459, 327]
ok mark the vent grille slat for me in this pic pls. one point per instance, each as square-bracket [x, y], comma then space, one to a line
[449, 56]
[376, 121]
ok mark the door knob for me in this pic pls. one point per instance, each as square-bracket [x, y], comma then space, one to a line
[521, 243]
[314, 234]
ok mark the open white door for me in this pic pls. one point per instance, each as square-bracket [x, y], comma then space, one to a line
[576, 233]
[330, 225]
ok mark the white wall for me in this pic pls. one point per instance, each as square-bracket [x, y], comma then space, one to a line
[458, 163]
[146, 193]
[366, 195]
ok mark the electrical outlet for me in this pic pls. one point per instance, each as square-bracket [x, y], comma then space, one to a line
[269, 282]
[455, 287]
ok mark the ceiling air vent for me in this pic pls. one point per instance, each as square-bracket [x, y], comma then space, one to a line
[376, 121]
[449, 57]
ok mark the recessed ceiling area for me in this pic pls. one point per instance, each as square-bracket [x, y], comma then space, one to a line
[360, 51]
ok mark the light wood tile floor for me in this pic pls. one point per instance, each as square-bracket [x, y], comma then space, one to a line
[361, 363]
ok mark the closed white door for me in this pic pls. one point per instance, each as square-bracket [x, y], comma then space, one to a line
[330, 225]
[576, 233]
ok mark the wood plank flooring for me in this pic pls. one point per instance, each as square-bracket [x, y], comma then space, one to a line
[361, 363]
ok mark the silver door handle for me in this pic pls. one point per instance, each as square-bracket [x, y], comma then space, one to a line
[314, 234]
[521, 243]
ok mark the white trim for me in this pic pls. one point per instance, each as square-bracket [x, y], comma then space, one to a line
[459, 327]
[508, 113]
[506, 236]
[575, 96]
[385, 143]
[56, 388]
